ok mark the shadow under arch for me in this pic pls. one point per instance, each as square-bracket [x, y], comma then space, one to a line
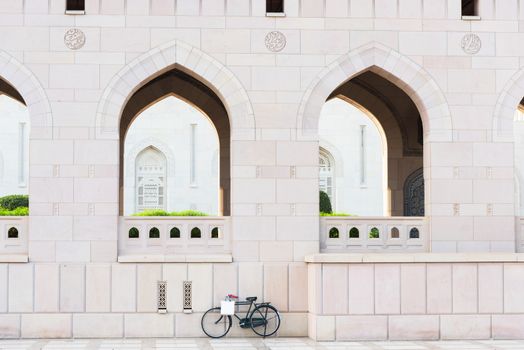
[179, 56]
[392, 66]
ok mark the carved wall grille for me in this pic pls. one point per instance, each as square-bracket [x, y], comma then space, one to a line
[188, 296]
[162, 306]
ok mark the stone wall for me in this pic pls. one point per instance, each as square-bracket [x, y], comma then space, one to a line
[417, 301]
[120, 300]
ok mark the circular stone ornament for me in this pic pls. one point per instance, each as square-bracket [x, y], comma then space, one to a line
[275, 41]
[471, 43]
[74, 39]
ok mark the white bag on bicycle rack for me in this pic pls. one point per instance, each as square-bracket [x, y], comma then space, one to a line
[227, 307]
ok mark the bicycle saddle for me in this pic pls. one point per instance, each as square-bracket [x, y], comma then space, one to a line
[251, 298]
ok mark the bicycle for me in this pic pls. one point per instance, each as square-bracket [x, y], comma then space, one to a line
[264, 319]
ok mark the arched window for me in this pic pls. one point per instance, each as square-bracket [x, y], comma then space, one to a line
[414, 194]
[150, 180]
[326, 172]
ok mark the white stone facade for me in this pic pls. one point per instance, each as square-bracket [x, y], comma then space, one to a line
[72, 282]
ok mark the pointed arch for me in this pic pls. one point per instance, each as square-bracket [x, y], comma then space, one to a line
[188, 59]
[391, 65]
[509, 100]
[26, 86]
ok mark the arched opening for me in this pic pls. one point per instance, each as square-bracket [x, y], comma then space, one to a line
[377, 129]
[14, 151]
[180, 122]
[518, 133]
[355, 179]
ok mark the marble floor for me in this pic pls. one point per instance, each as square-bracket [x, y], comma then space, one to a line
[251, 344]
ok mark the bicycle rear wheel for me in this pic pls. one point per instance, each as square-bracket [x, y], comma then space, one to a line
[214, 324]
[265, 320]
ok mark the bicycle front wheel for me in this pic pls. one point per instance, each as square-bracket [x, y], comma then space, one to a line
[214, 324]
[265, 320]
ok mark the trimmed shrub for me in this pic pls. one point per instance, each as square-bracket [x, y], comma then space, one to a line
[20, 211]
[335, 214]
[325, 203]
[158, 212]
[14, 201]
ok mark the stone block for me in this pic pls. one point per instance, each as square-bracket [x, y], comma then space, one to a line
[465, 327]
[73, 251]
[46, 326]
[148, 276]
[202, 277]
[413, 288]
[260, 228]
[439, 293]
[9, 326]
[296, 228]
[513, 288]
[293, 325]
[276, 285]
[98, 325]
[298, 289]
[276, 251]
[387, 289]
[361, 327]
[98, 288]
[490, 288]
[3, 288]
[103, 251]
[361, 286]
[174, 275]
[72, 286]
[188, 325]
[334, 289]
[46, 287]
[123, 288]
[141, 325]
[20, 288]
[225, 277]
[96, 190]
[420, 327]
[507, 326]
[250, 279]
[465, 297]
[324, 328]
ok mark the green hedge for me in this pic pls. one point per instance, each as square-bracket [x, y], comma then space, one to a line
[20, 211]
[156, 212]
[14, 201]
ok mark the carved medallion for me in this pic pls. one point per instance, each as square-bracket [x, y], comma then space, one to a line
[471, 43]
[275, 41]
[74, 39]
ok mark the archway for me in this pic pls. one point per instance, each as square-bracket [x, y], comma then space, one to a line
[377, 67]
[151, 75]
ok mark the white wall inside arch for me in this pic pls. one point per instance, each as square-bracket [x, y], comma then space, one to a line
[14, 146]
[518, 132]
[187, 138]
[359, 185]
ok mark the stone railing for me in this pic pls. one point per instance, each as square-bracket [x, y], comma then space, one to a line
[13, 235]
[173, 238]
[365, 234]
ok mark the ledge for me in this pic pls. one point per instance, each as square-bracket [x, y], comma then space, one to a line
[194, 258]
[333, 258]
[14, 258]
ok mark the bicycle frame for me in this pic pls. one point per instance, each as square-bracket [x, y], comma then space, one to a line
[245, 321]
